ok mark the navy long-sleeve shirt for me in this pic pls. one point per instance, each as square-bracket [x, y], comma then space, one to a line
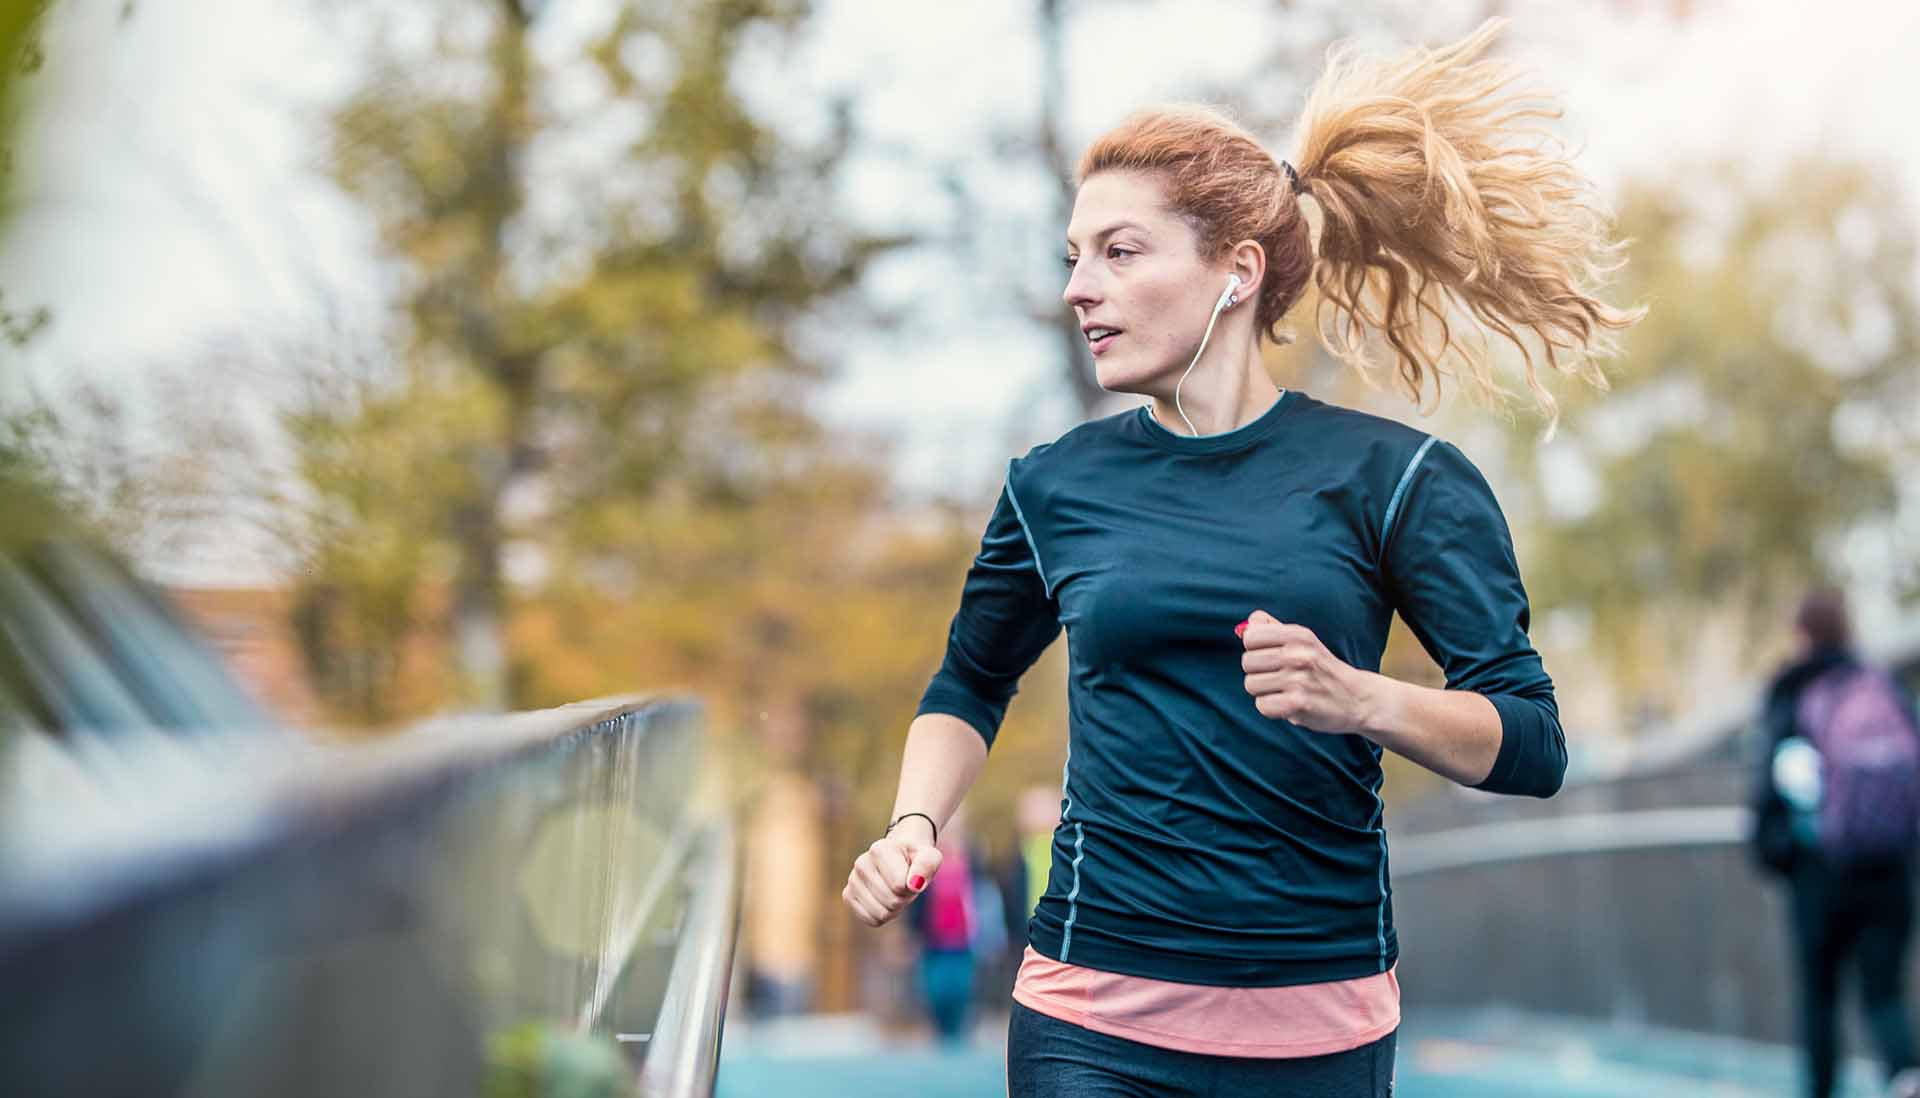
[1200, 841]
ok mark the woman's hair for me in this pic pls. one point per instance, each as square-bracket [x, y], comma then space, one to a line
[1441, 192]
[1822, 618]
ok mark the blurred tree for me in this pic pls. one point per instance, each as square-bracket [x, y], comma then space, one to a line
[20, 56]
[374, 462]
[148, 496]
[592, 233]
[1761, 412]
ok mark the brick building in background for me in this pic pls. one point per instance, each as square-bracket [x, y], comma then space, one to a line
[250, 628]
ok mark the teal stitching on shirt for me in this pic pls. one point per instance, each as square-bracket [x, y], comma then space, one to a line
[1400, 489]
[1380, 806]
[1379, 823]
[1073, 903]
[1024, 529]
[1079, 844]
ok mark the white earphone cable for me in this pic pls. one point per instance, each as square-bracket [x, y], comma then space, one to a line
[1226, 299]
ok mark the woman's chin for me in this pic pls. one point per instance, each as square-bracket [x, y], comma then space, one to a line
[1116, 377]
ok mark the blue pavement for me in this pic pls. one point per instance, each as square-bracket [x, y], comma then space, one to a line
[1483, 1054]
[835, 1056]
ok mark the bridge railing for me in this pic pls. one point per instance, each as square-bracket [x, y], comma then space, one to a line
[1627, 897]
[1637, 902]
[529, 904]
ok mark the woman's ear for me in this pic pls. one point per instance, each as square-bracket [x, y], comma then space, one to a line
[1249, 261]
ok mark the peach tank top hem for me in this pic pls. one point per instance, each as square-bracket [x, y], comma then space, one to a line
[1268, 1022]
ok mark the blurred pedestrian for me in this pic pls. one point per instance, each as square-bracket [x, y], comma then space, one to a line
[783, 895]
[947, 923]
[1037, 816]
[1837, 815]
[993, 955]
[1217, 917]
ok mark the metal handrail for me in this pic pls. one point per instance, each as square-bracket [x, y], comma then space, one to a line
[1556, 836]
[235, 806]
[570, 840]
[692, 1019]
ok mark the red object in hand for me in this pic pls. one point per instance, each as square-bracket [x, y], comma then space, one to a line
[1240, 630]
[917, 882]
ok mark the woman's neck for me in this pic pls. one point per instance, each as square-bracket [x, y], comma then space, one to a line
[1230, 403]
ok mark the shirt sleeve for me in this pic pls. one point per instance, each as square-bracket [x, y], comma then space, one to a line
[1006, 619]
[1451, 570]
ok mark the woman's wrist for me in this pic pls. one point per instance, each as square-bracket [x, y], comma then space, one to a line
[1381, 706]
[1454, 733]
[912, 823]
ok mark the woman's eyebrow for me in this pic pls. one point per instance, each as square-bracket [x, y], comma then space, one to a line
[1113, 228]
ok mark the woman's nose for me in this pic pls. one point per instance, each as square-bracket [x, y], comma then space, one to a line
[1080, 289]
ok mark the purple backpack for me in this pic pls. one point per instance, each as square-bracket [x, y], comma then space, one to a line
[1870, 764]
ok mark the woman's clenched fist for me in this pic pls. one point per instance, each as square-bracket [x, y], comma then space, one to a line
[894, 870]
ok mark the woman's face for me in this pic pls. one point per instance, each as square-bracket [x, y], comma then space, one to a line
[1134, 268]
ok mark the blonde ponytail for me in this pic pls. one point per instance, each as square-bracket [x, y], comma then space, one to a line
[1442, 192]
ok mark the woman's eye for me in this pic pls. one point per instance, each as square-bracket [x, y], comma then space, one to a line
[1113, 252]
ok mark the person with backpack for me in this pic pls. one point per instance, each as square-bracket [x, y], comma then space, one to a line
[1837, 817]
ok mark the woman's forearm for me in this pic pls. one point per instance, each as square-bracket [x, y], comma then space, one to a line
[1454, 733]
[944, 755]
[1503, 741]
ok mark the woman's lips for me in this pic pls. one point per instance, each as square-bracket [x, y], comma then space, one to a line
[1100, 345]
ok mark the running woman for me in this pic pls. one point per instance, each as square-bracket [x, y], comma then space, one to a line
[1226, 559]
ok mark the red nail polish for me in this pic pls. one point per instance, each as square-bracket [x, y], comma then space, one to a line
[916, 882]
[1240, 630]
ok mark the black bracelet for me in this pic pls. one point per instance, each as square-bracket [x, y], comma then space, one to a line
[922, 815]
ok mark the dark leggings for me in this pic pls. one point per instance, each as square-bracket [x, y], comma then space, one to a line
[1865, 916]
[1049, 1058]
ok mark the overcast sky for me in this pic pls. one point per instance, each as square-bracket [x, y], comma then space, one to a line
[169, 202]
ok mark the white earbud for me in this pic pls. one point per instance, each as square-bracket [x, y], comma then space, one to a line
[1228, 298]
